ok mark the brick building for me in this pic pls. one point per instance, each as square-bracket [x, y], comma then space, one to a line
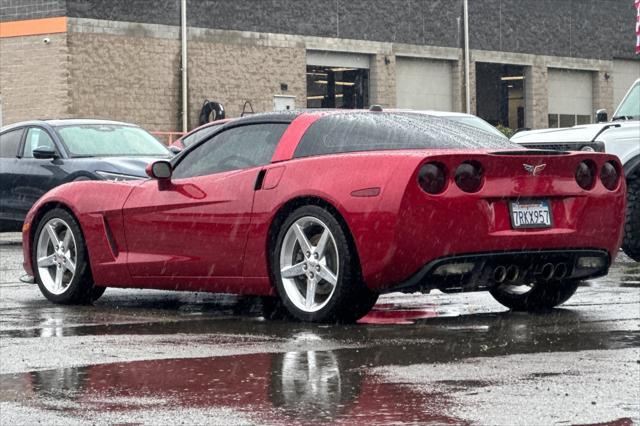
[532, 63]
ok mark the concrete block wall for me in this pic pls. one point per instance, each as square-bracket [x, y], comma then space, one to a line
[13, 10]
[34, 77]
[232, 73]
[125, 78]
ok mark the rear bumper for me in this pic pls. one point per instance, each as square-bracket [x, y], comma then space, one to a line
[479, 271]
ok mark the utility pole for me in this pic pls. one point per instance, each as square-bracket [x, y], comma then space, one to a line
[467, 89]
[183, 23]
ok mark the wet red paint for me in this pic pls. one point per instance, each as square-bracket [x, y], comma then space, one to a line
[386, 314]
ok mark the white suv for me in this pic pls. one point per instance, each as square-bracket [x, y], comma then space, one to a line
[621, 137]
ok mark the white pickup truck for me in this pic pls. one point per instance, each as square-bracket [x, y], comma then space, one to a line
[621, 137]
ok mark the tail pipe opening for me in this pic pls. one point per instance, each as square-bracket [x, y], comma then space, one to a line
[513, 273]
[500, 274]
[560, 271]
[547, 271]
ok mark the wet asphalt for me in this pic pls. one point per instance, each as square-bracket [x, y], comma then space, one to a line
[156, 357]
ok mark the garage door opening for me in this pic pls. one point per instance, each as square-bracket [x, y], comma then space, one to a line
[500, 94]
[337, 87]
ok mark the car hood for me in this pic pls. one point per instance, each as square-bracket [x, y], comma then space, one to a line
[582, 133]
[134, 166]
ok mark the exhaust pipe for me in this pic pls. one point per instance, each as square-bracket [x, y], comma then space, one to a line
[513, 273]
[547, 271]
[499, 274]
[560, 271]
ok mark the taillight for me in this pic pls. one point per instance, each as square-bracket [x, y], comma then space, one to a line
[432, 178]
[609, 175]
[469, 176]
[586, 174]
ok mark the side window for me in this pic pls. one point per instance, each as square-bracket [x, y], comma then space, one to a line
[9, 143]
[199, 135]
[37, 138]
[237, 148]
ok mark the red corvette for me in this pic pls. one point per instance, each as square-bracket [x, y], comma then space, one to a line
[327, 210]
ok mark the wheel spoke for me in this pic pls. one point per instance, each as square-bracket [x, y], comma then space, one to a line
[322, 243]
[327, 275]
[43, 262]
[293, 270]
[58, 280]
[66, 240]
[311, 293]
[305, 245]
[70, 265]
[52, 235]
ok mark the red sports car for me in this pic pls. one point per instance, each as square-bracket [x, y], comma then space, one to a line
[327, 210]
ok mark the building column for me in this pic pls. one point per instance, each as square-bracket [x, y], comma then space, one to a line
[603, 91]
[457, 70]
[536, 96]
[382, 80]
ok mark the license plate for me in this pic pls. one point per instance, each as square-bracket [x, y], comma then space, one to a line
[530, 214]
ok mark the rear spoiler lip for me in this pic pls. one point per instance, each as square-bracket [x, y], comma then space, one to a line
[527, 152]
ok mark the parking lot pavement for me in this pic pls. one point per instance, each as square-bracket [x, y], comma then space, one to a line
[155, 357]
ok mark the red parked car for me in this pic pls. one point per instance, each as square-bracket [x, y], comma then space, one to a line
[327, 210]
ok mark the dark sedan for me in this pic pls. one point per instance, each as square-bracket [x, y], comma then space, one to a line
[36, 156]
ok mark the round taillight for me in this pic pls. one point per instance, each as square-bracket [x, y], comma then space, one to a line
[609, 175]
[469, 176]
[432, 178]
[586, 174]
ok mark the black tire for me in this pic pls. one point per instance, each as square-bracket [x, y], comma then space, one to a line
[351, 298]
[631, 241]
[81, 289]
[543, 296]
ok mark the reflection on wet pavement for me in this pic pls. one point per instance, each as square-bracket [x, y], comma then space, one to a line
[148, 357]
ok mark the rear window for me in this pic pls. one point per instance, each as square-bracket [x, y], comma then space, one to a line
[353, 132]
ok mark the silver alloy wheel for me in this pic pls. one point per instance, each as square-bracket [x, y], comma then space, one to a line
[56, 256]
[309, 264]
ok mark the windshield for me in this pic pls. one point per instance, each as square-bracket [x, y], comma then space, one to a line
[98, 140]
[477, 123]
[630, 106]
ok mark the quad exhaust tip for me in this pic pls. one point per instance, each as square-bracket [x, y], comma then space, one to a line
[513, 273]
[560, 271]
[547, 271]
[500, 274]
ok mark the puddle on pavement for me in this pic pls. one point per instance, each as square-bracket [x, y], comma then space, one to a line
[306, 386]
[277, 388]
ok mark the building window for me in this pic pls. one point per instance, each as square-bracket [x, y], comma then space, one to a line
[337, 87]
[568, 120]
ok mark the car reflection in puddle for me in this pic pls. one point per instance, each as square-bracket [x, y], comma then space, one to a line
[278, 388]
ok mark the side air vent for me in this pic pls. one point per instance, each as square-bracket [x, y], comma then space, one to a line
[110, 239]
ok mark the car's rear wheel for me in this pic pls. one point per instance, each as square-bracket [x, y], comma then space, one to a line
[60, 260]
[315, 271]
[631, 242]
[537, 296]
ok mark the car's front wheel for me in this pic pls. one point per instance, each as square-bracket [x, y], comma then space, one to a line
[60, 260]
[315, 270]
[537, 296]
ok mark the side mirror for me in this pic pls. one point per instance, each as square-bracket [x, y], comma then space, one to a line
[601, 116]
[44, 153]
[160, 170]
[175, 149]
